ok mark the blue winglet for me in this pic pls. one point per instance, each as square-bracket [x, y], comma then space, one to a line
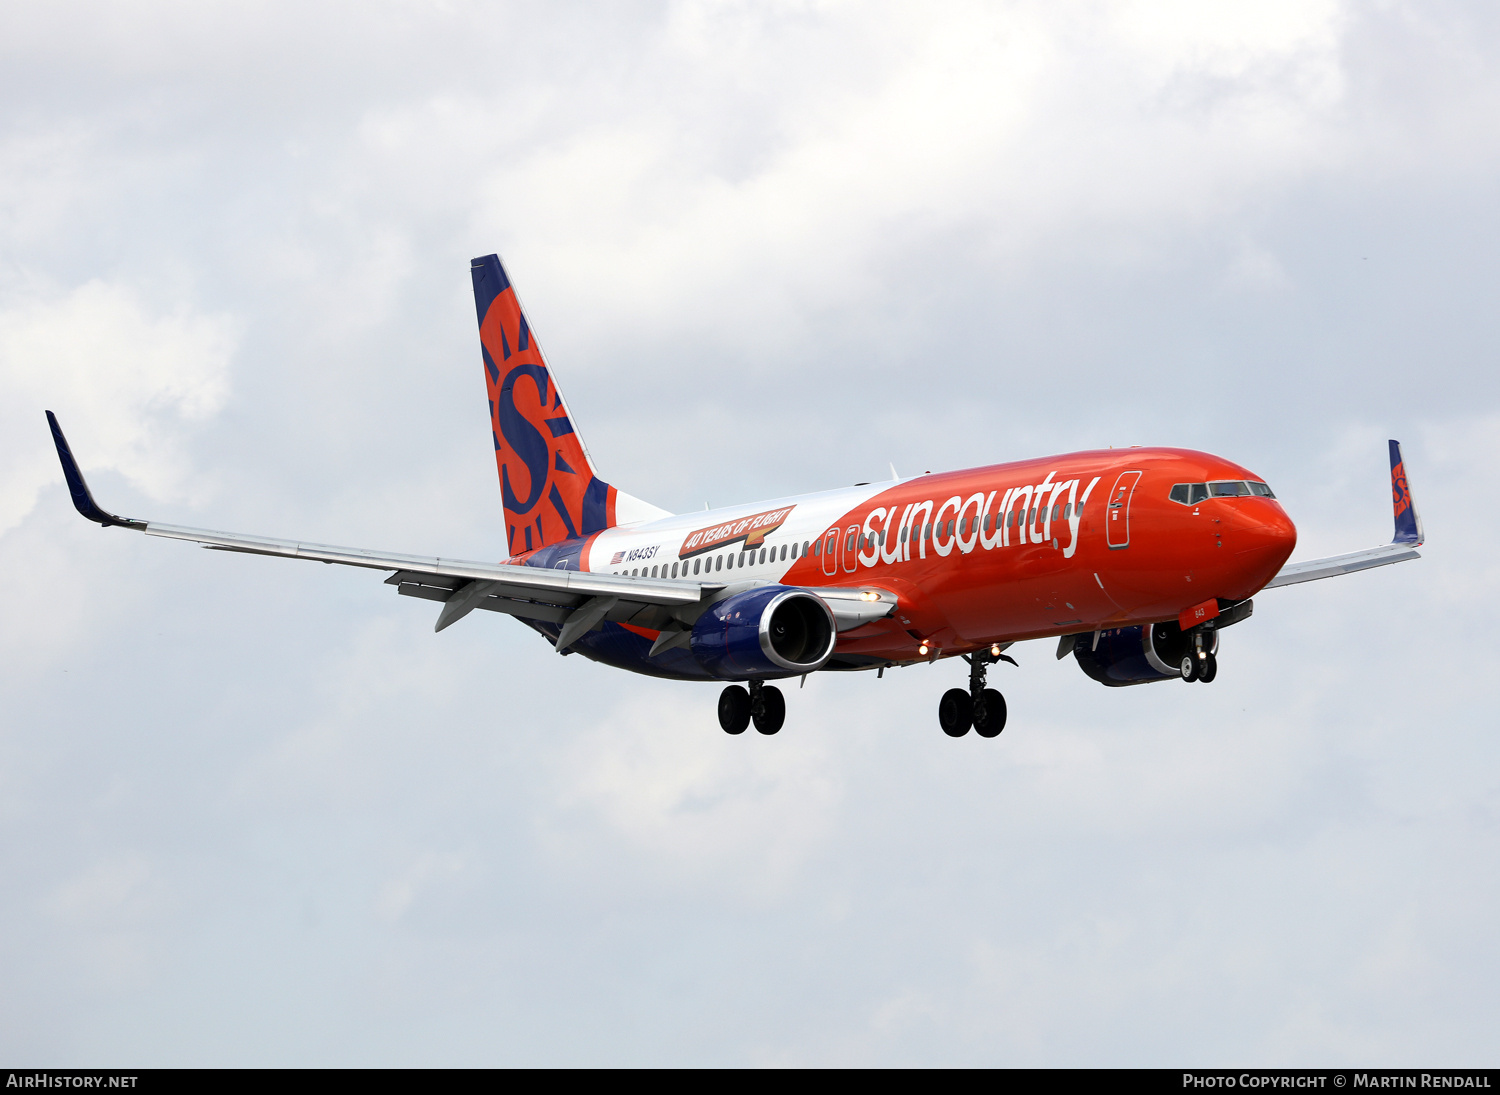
[83, 501]
[1408, 522]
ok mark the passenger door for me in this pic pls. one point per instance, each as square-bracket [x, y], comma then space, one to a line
[1117, 512]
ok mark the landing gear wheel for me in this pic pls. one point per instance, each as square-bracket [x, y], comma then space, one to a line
[1189, 667]
[772, 711]
[734, 709]
[1209, 669]
[989, 715]
[955, 712]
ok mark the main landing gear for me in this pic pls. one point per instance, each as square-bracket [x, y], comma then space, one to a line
[762, 703]
[980, 707]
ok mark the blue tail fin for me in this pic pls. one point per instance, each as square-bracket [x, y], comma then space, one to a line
[547, 482]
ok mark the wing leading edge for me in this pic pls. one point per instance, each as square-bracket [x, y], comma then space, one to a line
[1409, 536]
[578, 600]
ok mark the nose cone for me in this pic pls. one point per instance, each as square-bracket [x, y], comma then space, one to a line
[1263, 539]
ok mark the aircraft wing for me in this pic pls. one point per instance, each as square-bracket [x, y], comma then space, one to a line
[578, 600]
[1409, 536]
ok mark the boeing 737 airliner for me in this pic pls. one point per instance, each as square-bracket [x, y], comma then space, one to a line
[1134, 559]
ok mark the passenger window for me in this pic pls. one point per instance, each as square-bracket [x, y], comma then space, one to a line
[783, 553]
[763, 555]
[795, 546]
[695, 565]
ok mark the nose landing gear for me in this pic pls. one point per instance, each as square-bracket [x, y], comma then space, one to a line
[1200, 663]
[981, 708]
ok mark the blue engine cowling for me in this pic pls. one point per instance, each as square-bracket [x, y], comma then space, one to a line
[769, 631]
[1136, 655]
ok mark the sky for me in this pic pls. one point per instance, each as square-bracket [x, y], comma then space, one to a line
[255, 812]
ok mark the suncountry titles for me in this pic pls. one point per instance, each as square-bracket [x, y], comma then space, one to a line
[1041, 513]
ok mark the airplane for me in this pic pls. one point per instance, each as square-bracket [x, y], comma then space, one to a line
[1133, 559]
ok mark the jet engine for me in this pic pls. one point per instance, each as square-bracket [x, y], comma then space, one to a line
[1124, 656]
[766, 632]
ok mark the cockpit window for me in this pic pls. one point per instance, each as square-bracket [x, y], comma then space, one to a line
[1190, 494]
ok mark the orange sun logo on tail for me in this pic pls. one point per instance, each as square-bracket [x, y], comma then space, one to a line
[547, 483]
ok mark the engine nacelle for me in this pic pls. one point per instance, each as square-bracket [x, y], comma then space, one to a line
[1138, 655]
[769, 631]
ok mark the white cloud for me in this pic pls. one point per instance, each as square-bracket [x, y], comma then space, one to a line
[658, 778]
[120, 379]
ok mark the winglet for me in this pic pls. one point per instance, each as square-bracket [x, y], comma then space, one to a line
[1408, 521]
[83, 501]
